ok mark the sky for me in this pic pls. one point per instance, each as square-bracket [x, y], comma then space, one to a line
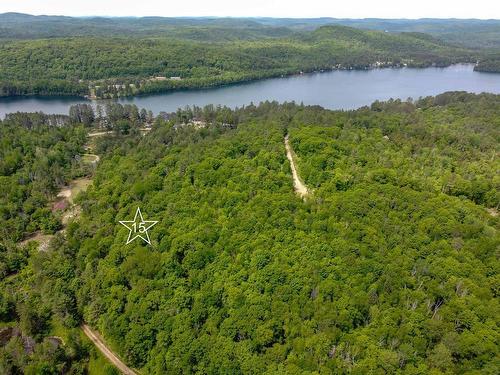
[483, 9]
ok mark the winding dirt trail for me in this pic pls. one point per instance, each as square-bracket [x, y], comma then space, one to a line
[298, 186]
[108, 353]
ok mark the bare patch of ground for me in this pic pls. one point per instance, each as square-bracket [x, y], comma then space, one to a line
[97, 134]
[42, 239]
[71, 213]
[492, 211]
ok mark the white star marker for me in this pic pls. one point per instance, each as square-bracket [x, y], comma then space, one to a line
[138, 227]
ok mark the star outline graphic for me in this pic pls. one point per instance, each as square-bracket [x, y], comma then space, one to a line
[140, 231]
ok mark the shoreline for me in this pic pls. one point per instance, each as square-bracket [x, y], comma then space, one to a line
[90, 98]
[341, 90]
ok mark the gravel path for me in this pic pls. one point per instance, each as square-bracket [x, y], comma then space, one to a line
[299, 187]
[108, 353]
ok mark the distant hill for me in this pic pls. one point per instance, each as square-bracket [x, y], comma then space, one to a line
[472, 33]
[24, 26]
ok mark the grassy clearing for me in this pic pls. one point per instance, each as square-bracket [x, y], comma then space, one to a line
[75, 187]
[89, 158]
[78, 186]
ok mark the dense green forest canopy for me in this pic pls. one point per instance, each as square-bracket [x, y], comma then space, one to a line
[389, 266]
[105, 66]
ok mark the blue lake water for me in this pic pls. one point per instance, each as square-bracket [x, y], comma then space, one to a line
[334, 90]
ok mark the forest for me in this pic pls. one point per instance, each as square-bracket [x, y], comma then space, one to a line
[471, 33]
[112, 66]
[490, 64]
[389, 265]
[35, 159]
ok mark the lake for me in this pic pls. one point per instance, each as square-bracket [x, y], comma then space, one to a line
[341, 89]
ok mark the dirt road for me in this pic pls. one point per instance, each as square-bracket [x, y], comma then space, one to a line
[97, 134]
[299, 187]
[108, 353]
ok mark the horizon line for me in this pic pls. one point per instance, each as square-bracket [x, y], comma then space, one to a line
[257, 17]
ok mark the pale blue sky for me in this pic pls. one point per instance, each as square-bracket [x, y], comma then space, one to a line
[270, 8]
